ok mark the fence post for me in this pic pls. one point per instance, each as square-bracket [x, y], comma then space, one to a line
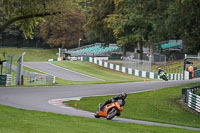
[59, 52]
[184, 95]
[19, 71]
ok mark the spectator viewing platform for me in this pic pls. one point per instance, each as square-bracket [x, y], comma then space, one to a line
[172, 44]
[96, 49]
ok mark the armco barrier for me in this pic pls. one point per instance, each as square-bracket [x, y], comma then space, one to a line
[194, 101]
[2, 80]
[8, 79]
[76, 58]
[190, 97]
[33, 77]
[100, 61]
[5, 80]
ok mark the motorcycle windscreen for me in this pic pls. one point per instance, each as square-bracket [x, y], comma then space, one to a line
[121, 102]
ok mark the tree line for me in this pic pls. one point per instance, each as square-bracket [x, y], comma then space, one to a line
[135, 23]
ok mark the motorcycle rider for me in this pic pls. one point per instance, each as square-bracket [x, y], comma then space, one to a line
[160, 71]
[121, 97]
[162, 74]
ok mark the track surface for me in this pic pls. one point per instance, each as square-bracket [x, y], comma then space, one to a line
[49, 99]
[60, 72]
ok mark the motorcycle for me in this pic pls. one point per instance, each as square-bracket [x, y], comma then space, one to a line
[110, 110]
[163, 76]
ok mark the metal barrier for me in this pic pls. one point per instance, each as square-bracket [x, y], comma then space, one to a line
[8, 79]
[190, 97]
[157, 57]
[35, 78]
[142, 65]
[194, 101]
[5, 80]
[2, 80]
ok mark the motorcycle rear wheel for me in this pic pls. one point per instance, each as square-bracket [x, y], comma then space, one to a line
[165, 78]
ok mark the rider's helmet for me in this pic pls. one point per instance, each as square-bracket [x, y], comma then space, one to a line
[123, 95]
[159, 68]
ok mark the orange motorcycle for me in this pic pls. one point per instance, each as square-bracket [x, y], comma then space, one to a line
[109, 111]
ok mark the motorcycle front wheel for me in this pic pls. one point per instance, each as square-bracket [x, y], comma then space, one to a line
[96, 115]
[111, 113]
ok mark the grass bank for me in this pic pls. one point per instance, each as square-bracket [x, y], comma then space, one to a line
[31, 54]
[107, 75]
[22, 121]
[161, 105]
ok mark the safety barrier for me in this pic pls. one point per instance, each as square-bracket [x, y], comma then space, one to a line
[197, 73]
[32, 77]
[2, 80]
[8, 79]
[101, 61]
[190, 97]
[5, 80]
[136, 72]
[75, 58]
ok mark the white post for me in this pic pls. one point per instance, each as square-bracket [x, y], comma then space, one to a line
[185, 56]
[19, 71]
[59, 52]
[54, 79]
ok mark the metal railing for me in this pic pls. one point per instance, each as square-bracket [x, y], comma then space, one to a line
[194, 101]
[35, 78]
[142, 65]
[190, 97]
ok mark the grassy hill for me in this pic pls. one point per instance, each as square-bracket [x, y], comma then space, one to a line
[15, 120]
[151, 106]
[31, 54]
[144, 106]
[106, 75]
[163, 105]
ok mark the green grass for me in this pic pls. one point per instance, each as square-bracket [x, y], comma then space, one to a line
[109, 76]
[161, 105]
[26, 80]
[169, 67]
[31, 54]
[15, 120]
[198, 92]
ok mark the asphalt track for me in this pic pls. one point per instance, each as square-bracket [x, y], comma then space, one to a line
[49, 99]
[60, 72]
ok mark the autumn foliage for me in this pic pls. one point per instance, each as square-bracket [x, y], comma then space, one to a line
[64, 29]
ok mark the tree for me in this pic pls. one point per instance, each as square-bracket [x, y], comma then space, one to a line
[97, 12]
[184, 23]
[128, 23]
[64, 29]
[28, 13]
[137, 21]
